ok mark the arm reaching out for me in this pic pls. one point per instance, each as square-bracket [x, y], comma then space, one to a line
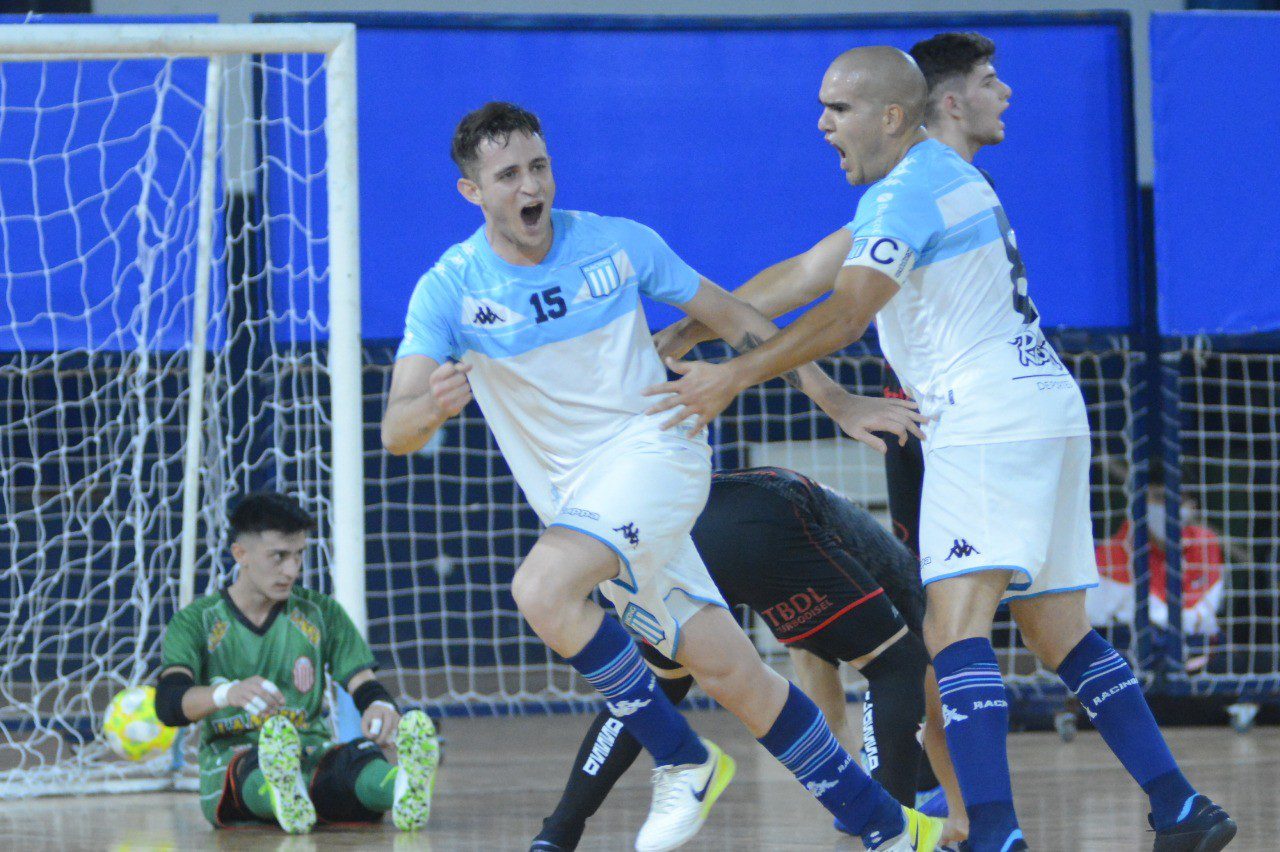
[707, 389]
[783, 287]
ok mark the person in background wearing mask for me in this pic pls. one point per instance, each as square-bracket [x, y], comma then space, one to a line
[1202, 576]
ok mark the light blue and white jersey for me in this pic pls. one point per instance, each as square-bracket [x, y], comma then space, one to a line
[962, 334]
[559, 351]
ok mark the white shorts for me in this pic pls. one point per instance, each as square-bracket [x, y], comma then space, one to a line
[1020, 506]
[641, 499]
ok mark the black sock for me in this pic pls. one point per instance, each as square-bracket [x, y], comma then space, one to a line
[606, 753]
[892, 716]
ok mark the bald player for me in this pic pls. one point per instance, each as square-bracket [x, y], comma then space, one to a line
[1005, 510]
[966, 99]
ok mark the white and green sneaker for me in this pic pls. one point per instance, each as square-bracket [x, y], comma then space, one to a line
[280, 759]
[419, 753]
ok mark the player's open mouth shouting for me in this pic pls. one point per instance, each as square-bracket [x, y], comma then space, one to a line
[531, 215]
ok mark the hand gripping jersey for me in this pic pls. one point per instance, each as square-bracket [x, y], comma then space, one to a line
[962, 333]
[560, 351]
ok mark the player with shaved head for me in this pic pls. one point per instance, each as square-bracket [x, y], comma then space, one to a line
[1004, 515]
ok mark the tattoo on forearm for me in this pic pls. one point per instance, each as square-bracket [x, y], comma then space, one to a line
[750, 341]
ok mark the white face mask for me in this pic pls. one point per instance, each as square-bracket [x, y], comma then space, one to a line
[1156, 518]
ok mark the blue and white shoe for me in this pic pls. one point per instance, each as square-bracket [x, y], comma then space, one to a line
[1207, 828]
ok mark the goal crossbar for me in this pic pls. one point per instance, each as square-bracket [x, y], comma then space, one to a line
[43, 42]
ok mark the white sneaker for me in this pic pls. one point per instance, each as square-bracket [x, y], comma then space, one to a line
[682, 798]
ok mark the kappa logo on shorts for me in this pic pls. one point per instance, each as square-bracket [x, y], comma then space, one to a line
[630, 532]
[960, 549]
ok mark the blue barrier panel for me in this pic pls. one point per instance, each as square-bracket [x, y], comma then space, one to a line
[70, 184]
[705, 130]
[1217, 171]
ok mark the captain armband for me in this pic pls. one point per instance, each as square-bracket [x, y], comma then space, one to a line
[891, 256]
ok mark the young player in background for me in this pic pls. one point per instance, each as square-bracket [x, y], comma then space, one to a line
[1005, 508]
[249, 664]
[538, 312]
[833, 586]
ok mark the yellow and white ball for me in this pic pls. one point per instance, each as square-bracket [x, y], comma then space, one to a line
[131, 727]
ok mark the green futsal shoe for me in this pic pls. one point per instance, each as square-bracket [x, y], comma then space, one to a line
[419, 753]
[280, 759]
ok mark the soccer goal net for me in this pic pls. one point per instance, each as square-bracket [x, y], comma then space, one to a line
[451, 527]
[179, 323]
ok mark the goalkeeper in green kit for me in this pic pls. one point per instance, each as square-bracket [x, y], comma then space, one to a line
[248, 663]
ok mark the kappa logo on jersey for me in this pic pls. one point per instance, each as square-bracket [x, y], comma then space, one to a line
[951, 714]
[308, 629]
[304, 674]
[626, 708]
[1034, 350]
[486, 313]
[602, 276]
[630, 532]
[960, 548]
[217, 633]
[817, 788]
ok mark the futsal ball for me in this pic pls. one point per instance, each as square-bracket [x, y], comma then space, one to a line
[131, 727]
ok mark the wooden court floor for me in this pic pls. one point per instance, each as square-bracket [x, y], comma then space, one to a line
[501, 776]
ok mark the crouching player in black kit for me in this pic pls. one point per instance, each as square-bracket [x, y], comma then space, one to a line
[833, 586]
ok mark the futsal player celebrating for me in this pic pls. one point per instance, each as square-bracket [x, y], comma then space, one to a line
[1005, 509]
[965, 101]
[248, 663]
[833, 586]
[538, 313]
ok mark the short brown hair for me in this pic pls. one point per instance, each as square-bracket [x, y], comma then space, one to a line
[494, 122]
[949, 55]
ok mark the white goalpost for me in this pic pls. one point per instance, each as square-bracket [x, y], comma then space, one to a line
[179, 323]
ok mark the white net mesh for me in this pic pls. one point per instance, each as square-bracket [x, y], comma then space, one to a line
[1229, 448]
[100, 165]
[448, 527]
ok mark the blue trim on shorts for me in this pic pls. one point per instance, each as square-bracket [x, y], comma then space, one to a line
[1092, 585]
[1017, 587]
[675, 640]
[625, 563]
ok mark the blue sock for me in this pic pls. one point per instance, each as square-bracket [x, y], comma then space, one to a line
[803, 743]
[975, 712]
[1113, 700]
[613, 665]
